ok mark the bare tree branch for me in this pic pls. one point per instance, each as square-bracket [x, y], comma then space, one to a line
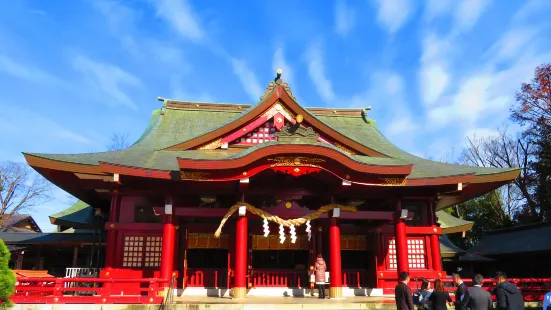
[21, 189]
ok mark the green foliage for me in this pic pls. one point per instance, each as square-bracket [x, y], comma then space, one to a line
[486, 212]
[7, 278]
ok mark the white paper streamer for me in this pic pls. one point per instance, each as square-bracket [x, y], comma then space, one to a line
[281, 234]
[266, 228]
[308, 230]
[293, 233]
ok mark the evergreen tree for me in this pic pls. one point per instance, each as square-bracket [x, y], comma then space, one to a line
[7, 278]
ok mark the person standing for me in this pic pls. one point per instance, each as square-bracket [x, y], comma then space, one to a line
[476, 297]
[402, 293]
[320, 268]
[507, 294]
[547, 301]
[460, 292]
[424, 295]
[439, 296]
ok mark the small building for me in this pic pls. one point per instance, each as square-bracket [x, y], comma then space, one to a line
[18, 223]
[522, 251]
[244, 197]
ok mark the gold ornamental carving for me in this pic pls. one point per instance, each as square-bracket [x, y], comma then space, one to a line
[393, 181]
[212, 145]
[194, 175]
[345, 149]
[296, 161]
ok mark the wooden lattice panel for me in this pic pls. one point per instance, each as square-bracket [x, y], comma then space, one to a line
[263, 133]
[133, 251]
[353, 242]
[416, 254]
[142, 251]
[206, 241]
[272, 243]
[153, 251]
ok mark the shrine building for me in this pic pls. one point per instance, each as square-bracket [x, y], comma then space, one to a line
[243, 197]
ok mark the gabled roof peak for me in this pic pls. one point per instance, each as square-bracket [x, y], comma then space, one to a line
[277, 82]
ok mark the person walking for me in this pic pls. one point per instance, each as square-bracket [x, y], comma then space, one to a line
[508, 296]
[424, 295]
[402, 293]
[460, 292]
[320, 268]
[476, 297]
[439, 297]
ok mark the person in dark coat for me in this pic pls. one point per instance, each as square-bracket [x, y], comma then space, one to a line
[460, 292]
[507, 294]
[403, 294]
[439, 296]
[476, 297]
[320, 268]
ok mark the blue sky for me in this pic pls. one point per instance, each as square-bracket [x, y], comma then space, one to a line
[434, 72]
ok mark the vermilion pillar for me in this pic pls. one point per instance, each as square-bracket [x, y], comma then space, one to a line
[240, 283]
[401, 241]
[169, 234]
[335, 274]
[435, 240]
[111, 233]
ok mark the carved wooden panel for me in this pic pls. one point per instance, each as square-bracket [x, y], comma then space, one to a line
[353, 242]
[207, 241]
[272, 243]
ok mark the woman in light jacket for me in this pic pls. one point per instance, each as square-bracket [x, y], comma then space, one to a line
[320, 268]
[424, 295]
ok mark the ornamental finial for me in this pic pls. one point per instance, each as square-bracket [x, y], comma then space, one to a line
[278, 76]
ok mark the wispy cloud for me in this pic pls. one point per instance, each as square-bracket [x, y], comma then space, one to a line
[345, 18]
[107, 78]
[468, 12]
[393, 14]
[316, 70]
[180, 16]
[22, 71]
[279, 62]
[433, 74]
[437, 8]
[247, 78]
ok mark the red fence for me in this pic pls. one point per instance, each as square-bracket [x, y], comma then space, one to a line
[533, 289]
[279, 278]
[211, 278]
[355, 278]
[86, 291]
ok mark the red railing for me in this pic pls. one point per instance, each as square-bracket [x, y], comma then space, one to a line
[355, 278]
[533, 289]
[85, 291]
[212, 278]
[279, 278]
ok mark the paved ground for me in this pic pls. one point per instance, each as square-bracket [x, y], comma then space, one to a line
[266, 303]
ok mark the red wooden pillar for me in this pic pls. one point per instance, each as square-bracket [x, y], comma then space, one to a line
[111, 246]
[401, 241]
[335, 272]
[167, 260]
[241, 251]
[434, 239]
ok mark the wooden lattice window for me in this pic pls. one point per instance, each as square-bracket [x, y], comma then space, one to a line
[416, 254]
[142, 251]
[264, 133]
[133, 251]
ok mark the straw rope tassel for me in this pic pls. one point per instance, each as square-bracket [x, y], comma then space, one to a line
[276, 219]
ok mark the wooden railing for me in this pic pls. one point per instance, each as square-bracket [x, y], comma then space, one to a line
[279, 278]
[533, 289]
[211, 278]
[355, 278]
[89, 291]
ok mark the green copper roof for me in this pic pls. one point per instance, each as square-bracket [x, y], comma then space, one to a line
[451, 224]
[171, 126]
[79, 215]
